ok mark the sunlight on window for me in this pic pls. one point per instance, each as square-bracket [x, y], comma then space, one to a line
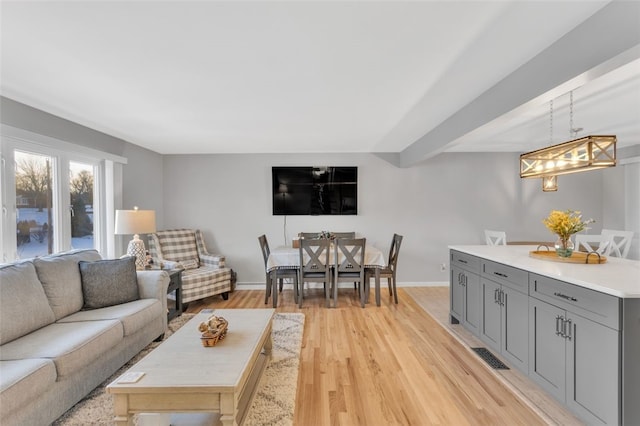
[34, 203]
[81, 196]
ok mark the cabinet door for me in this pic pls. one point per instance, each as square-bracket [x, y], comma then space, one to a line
[472, 302]
[490, 324]
[546, 347]
[593, 371]
[515, 328]
[456, 290]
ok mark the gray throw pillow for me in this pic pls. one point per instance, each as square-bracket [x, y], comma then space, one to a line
[109, 282]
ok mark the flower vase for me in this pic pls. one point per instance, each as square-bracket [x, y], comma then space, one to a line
[564, 247]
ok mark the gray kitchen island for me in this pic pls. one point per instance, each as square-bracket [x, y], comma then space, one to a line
[574, 329]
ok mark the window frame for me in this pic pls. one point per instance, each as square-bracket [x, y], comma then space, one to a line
[62, 153]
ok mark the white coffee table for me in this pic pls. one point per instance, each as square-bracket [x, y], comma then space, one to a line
[183, 376]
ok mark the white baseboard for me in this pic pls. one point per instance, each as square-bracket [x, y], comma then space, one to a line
[383, 283]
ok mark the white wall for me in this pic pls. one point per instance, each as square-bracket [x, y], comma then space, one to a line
[449, 199]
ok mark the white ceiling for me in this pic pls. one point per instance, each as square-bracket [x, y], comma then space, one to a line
[298, 76]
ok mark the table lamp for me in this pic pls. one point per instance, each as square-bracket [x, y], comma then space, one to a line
[136, 222]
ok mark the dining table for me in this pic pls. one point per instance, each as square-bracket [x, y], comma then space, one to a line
[286, 257]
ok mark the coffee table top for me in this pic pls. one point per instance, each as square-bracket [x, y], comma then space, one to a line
[182, 363]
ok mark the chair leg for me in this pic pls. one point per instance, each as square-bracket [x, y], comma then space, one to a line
[300, 293]
[225, 295]
[395, 291]
[391, 292]
[281, 284]
[274, 292]
[267, 290]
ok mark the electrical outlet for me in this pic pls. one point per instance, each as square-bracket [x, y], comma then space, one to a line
[443, 267]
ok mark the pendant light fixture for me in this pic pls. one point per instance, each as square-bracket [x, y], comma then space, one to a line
[577, 155]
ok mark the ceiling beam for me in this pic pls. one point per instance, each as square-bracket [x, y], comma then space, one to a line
[607, 40]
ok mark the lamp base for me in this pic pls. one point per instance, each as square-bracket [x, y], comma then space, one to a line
[136, 249]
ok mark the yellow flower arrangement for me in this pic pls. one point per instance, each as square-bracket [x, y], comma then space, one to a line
[566, 223]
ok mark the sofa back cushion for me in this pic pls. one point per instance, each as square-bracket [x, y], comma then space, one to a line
[60, 278]
[109, 282]
[23, 305]
[178, 245]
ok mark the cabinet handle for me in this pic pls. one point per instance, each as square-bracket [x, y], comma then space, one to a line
[462, 261]
[501, 297]
[464, 279]
[564, 296]
[567, 326]
[495, 296]
[500, 274]
[559, 323]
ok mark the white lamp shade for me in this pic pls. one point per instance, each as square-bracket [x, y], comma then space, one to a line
[130, 222]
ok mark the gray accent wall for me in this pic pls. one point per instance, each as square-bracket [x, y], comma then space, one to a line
[449, 199]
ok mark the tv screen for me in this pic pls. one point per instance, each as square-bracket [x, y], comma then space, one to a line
[315, 190]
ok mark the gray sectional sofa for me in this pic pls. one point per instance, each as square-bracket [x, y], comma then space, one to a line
[53, 350]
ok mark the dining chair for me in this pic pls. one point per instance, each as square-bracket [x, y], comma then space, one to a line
[621, 242]
[277, 275]
[349, 265]
[343, 234]
[315, 265]
[495, 238]
[600, 244]
[309, 235]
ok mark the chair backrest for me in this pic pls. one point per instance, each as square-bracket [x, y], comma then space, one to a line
[309, 235]
[621, 242]
[495, 238]
[176, 245]
[314, 256]
[601, 244]
[349, 255]
[264, 247]
[343, 234]
[394, 251]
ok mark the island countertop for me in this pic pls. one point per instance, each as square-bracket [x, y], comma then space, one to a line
[617, 277]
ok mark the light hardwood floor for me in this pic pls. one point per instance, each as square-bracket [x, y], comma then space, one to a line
[388, 365]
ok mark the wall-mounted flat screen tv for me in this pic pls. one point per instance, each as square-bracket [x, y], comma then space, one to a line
[315, 190]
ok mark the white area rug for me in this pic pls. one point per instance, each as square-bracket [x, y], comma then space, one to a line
[273, 403]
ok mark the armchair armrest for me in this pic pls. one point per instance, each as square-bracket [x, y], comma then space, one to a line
[153, 285]
[215, 260]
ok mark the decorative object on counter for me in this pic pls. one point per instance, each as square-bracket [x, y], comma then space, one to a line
[564, 224]
[576, 257]
[326, 235]
[213, 330]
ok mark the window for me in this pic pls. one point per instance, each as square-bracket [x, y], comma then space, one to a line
[54, 197]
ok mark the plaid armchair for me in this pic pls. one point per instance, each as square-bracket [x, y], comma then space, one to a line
[204, 274]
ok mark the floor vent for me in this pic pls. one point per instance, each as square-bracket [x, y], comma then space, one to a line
[490, 359]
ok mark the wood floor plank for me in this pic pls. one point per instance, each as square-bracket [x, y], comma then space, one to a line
[387, 365]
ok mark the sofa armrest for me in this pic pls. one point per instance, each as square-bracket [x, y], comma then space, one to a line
[153, 285]
[215, 260]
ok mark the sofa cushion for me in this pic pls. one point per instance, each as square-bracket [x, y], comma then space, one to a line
[178, 244]
[60, 278]
[20, 380]
[23, 304]
[71, 346]
[204, 281]
[190, 263]
[133, 315]
[109, 282]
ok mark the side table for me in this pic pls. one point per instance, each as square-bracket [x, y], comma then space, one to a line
[175, 284]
